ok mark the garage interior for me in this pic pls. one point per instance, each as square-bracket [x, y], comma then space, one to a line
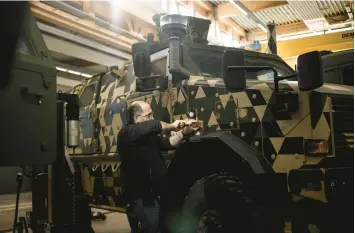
[86, 38]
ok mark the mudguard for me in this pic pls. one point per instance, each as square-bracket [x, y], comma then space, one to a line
[212, 153]
[252, 157]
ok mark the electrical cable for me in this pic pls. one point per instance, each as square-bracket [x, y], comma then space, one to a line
[73, 204]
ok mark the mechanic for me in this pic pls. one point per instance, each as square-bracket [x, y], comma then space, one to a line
[143, 167]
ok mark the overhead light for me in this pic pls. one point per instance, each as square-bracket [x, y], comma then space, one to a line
[300, 36]
[338, 30]
[238, 7]
[74, 72]
[262, 27]
[61, 69]
[86, 75]
[263, 42]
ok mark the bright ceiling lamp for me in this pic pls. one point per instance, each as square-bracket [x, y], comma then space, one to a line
[299, 36]
[338, 30]
[74, 72]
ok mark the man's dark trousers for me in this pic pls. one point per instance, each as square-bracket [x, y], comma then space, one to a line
[143, 213]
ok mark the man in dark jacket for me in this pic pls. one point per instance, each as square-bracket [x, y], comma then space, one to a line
[143, 168]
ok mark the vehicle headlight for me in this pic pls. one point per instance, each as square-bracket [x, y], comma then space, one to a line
[316, 147]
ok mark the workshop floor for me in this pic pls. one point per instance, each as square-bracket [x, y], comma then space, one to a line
[7, 209]
[114, 223]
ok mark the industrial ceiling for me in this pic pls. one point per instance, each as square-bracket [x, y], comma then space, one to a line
[97, 34]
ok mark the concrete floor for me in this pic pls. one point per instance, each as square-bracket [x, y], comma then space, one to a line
[7, 209]
[115, 222]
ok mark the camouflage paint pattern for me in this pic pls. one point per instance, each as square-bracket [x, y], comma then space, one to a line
[250, 114]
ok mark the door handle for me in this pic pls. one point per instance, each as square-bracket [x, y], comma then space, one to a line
[32, 91]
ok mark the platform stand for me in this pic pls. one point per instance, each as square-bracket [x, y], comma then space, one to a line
[58, 201]
[69, 211]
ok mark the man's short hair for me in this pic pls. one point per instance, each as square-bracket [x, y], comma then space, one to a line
[133, 110]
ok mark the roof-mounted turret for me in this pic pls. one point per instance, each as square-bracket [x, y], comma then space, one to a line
[196, 31]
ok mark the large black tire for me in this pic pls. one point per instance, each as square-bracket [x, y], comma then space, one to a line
[222, 203]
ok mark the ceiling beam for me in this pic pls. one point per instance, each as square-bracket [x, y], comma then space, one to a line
[207, 6]
[67, 82]
[238, 30]
[258, 34]
[69, 11]
[333, 41]
[139, 16]
[107, 10]
[76, 39]
[337, 18]
[206, 9]
[78, 2]
[226, 10]
[78, 62]
[262, 5]
[81, 52]
[84, 28]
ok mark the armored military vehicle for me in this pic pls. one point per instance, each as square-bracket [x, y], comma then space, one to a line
[276, 145]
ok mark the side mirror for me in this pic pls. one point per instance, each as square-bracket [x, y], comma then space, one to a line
[310, 71]
[141, 59]
[234, 78]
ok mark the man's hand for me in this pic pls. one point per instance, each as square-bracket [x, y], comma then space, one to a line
[178, 124]
[189, 130]
[191, 126]
[184, 128]
[193, 123]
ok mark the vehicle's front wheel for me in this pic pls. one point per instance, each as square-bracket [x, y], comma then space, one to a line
[222, 204]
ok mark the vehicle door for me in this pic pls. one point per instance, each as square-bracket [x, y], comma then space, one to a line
[111, 109]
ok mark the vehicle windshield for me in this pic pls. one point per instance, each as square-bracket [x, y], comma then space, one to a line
[24, 44]
[209, 63]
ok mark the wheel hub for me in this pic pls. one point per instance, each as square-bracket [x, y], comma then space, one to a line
[209, 222]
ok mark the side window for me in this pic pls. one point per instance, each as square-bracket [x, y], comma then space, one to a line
[159, 66]
[88, 93]
[106, 82]
[347, 74]
[331, 75]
